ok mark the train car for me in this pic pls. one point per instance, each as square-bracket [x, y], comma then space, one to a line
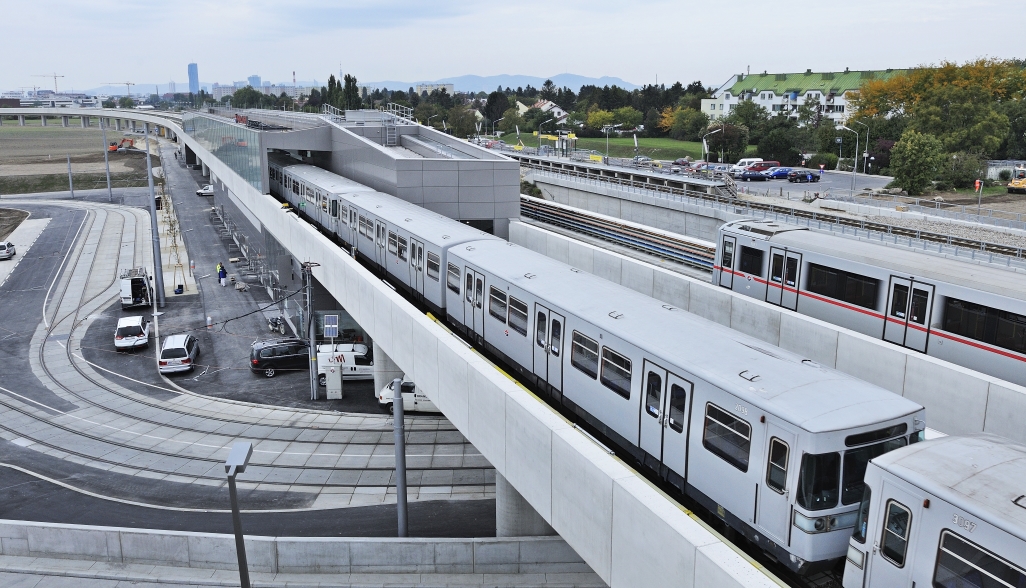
[970, 314]
[314, 192]
[948, 513]
[772, 443]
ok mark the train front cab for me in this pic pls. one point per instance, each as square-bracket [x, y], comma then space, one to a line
[906, 536]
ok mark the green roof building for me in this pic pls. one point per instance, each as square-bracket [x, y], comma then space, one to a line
[783, 93]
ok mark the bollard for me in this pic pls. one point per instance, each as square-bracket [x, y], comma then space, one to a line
[210, 323]
[192, 266]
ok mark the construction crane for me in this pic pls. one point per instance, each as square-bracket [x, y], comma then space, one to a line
[127, 85]
[54, 76]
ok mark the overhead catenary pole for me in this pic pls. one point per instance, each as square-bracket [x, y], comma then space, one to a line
[158, 266]
[399, 421]
[71, 184]
[106, 160]
[311, 325]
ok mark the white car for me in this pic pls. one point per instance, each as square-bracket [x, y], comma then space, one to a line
[178, 354]
[354, 359]
[7, 250]
[413, 398]
[132, 332]
[207, 190]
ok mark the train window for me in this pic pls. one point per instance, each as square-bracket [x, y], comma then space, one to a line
[877, 435]
[920, 304]
[393, 243]
[776, 470]
[840, 285]
[792, 271]
[470, 286]
[897, 525]
[678, 407]
[434, 266]
[616, 372]
[899, 301]
[541, 336]
[402, 248]
[751, 261]
[727, 261]
[452, 278]
[555, 337]
[479, 293]
[819, 480]
[982, 323]
[497, 304]
[518, 316]
[584, 354]
[727, 436]
[777, 268]
[334, 208]
[653, 394]
[855, 462]
[963, 563]
[862, 518]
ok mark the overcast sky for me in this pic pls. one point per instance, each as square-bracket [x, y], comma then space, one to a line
[99, 41]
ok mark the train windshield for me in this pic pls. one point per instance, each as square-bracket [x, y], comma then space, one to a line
[861, 521]
[855, 462]
[819, 481]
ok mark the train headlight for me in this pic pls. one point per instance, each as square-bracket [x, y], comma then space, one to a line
[825, 523]
[844, 520]
[856, 556]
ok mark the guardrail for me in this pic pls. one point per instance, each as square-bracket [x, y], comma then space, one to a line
[1002, 255]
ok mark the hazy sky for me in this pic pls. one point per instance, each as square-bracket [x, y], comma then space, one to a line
[100, 41]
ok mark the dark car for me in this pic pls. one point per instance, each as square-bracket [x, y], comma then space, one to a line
[778, 173]
[802, 175]
[276, 355]
[753, 176]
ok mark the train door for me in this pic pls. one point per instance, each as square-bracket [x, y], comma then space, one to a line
[473, 302]
[353, 231]
[891, 563]
[909, 304]
[774, 494]
[548, 346]
[727, 262]
[664, 418]
[792, 279]
[417, 266]
[776, 276]
[379, 243]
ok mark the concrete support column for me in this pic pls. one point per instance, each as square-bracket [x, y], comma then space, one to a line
[117, 124]
[385, 370]
[514, 516]
[21, 120]
[205, 169]
[42, 120]
[133, 125]
[85, 122]
[65, 121]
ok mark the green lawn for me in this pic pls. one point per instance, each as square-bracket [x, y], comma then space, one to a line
[654, 147]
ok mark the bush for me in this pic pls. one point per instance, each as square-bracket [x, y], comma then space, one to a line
[942, 186]
[827, 159]
[844, 164]
[1005, 175]
[962, 169]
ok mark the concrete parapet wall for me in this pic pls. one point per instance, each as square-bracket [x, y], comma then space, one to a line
[308, 555]
[958, 400]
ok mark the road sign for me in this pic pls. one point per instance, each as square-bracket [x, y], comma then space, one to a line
[331, 326]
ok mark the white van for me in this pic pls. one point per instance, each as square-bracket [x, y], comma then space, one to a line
[413, 398]
[136, 289]
[354, 359]
[738, 168]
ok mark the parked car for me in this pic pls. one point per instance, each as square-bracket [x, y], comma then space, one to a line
[7, 250]
[178, 354]
[207, 190]
[802, 175]
[413, 398]
[739, 168]
[682, 161]
[750, 175]
[777, 173]
[272, 356]
[763, 165]
[642, 160]
[132, 332]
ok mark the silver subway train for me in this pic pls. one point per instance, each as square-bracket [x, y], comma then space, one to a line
[773, 444]
[970, 314]
[947, 513]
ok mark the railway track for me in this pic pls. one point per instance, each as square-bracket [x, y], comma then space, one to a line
[993, 252]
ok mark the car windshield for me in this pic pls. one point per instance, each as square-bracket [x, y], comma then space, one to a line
[819, 481]
[855, 462]
[130, 331]
[173, 353]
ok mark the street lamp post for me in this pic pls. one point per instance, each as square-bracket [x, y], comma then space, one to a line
[233, 466]
[540, 133]
[855, 160]
[493, 124]
[608, 128]
[866, 154]
[705, 146]
[429, 119]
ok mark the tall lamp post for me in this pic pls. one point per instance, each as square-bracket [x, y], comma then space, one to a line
[540, 133]
[855, 162]
[866, 154]
[236, 463]
[608, 128]
[705, 146]
[493, 124]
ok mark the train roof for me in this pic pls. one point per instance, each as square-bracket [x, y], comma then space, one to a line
[798, 390]
[330, 182]
[902, 261]
[431, 226]
[982, 474]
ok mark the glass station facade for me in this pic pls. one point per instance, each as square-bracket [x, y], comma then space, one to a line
[234, 144]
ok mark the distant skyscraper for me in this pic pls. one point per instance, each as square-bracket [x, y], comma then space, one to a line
[254, 81]
[193, 78]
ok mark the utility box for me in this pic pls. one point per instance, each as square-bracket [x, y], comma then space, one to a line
[333, 381]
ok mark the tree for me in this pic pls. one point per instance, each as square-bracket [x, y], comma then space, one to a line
[461, 121]
[350, 98]
[548, 91]
[652, 128]
[732, 139]
[246, 98]
[126, 102]
[599, 118]
[750, 115]
[778, 145]
[683, 124]
[962, 119]
[628, 117]
[962, 169]
[497, 104]
[110, 103]
[915, 160]
[1014, 146]
[511, 120]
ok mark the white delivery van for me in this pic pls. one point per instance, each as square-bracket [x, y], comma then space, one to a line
[413, 398]
[738, 168]
[135, 288]
[354, 359]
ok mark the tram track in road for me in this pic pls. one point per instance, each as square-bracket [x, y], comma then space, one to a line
[59, 318]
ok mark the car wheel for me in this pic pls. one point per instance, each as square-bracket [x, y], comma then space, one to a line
[281, 327]
[391, 408]
[748, 179]
[269, 372]
[322, 380]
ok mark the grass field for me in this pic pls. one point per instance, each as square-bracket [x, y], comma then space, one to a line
[34, 143]
[655, 147]
[10, 218]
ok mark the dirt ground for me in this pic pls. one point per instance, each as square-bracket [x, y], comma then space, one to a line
[10, 218]
[34, 159]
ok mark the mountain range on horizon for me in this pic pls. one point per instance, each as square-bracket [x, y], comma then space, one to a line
[466, 83]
